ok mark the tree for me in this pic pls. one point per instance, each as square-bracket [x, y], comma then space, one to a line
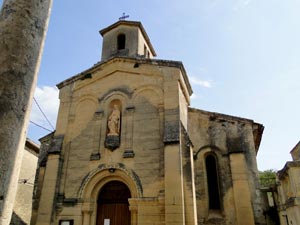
[267, 177]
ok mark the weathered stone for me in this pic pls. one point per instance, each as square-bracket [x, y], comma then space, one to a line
[23, 25]
[95, 156]
[112, 142]
[128, 154]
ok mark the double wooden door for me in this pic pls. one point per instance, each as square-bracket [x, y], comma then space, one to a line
[113, 206]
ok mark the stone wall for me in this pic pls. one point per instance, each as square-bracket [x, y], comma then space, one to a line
[23, 203]
[231, 141]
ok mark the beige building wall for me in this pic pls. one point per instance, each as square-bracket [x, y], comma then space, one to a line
[23, 203]
[233, 143]
[289, 190]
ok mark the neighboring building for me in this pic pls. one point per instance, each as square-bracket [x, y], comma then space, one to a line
[128, 149]
[23, 202]
[270, 196]
[289, 190]
[42, 160]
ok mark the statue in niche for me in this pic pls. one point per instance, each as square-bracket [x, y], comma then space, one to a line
[113, 123]
[112, 140]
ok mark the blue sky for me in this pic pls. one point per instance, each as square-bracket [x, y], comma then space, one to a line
[242, 57]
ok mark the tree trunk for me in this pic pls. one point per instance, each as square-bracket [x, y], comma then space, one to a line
[23, 25]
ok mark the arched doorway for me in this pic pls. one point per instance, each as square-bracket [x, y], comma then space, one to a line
[113, 206]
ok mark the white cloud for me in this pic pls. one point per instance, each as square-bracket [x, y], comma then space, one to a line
[241, 4]
[47, 98]
[194, 96]
[202, 83]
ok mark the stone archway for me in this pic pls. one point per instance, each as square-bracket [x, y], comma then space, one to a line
[90, 190]
[112, 204]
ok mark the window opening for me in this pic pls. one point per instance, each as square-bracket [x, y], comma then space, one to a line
[121, 41]
[145, 50]
[212, 183]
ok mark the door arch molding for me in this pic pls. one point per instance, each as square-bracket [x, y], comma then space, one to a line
[95, 181]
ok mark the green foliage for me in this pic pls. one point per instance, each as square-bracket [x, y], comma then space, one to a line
[267, 177]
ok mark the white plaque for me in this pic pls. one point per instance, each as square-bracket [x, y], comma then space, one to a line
[106, 221]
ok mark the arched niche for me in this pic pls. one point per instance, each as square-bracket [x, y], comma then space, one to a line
[123, 94]
[84, 112]
[114, 124]
[151, 93]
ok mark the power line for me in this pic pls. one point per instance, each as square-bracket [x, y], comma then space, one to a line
[40, 126]
[43, 113]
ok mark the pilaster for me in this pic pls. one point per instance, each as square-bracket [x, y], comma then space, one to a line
[241, 190]
[48, 192]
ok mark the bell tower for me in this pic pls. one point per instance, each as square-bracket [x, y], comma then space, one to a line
[126, 39]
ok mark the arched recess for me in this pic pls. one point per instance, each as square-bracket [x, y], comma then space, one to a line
[97, 179]
[120, 99]
[82, 115]
[122, 94]
[207, 180]
[156, 96]
[148, 101]
[207, 148]
[105, 173]
[212, 178]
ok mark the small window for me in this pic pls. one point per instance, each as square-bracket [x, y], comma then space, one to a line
[121, 41]
[212, 182]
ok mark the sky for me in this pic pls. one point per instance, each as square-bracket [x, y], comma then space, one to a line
[242, 58]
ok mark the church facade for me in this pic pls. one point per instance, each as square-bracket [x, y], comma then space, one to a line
[128, 149]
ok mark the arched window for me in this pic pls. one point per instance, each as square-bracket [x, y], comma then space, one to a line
[121, 41]
[212, 182]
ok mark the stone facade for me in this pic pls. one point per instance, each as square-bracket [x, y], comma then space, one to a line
[23, 202]
[288, 189]
[181, 165]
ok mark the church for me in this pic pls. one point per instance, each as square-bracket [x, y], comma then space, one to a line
[129, 150]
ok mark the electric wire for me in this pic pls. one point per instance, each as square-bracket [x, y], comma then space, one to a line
[43, 113]
[40, 126]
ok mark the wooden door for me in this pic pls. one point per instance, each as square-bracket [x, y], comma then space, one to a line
[113, 204]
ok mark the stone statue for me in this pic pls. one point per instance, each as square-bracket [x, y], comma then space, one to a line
[113, 123]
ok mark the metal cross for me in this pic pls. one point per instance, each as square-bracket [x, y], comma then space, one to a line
[123, 17]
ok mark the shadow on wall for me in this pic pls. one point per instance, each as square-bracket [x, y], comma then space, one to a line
[16, 220]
